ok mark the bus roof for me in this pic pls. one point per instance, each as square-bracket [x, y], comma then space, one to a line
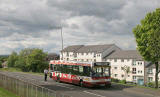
[71, 63]
[77, 63]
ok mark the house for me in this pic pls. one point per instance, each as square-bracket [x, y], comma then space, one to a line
[52, 56]
[150, 72]
[87, 53]
[130, 59]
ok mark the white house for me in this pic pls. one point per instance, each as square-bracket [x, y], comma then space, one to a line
[130, 59]
[150, 73]
[87, 53]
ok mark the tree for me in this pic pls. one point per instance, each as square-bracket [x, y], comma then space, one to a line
[12, 59]
[36, 60]
[126, 70]
[147, 36]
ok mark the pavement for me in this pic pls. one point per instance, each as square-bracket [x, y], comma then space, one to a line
[116, 90]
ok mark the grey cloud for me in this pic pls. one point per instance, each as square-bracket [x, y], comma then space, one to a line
[36, 23]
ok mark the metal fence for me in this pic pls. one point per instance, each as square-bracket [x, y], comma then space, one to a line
[26, 89]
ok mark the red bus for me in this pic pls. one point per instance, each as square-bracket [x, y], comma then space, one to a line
[88, 74]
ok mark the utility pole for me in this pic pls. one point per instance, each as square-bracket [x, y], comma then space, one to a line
[62, 41]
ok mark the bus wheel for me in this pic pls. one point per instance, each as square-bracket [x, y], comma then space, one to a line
[81, 83]
[108, 85]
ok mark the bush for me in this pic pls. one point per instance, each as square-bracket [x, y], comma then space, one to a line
[123, 81]
[115, 80]
[150, 84]
[0, 64]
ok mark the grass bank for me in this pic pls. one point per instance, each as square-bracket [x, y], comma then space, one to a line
[5, 93]
[18, 70]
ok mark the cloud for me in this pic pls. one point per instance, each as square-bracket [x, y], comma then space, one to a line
[36, 23]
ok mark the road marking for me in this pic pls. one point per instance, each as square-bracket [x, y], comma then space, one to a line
[65, 87]
[94, 94]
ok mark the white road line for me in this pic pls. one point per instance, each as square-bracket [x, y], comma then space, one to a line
[65, 87]
[94, 94]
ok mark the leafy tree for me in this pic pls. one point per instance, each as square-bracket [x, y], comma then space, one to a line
[31, 60]
[126, 70]
[12, 59]
[22, 59]
[36, 60]
[147, 36]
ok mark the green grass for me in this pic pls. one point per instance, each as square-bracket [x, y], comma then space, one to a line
[5, 93]
[11, 69]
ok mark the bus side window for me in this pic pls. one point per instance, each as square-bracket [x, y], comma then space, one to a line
[86, 70]
[81, 70]
[51, 66]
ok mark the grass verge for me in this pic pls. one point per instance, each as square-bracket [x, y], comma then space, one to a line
[5, 93]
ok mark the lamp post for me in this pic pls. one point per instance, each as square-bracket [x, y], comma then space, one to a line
[62, 41]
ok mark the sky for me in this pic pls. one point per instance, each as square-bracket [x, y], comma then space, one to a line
[36, 23]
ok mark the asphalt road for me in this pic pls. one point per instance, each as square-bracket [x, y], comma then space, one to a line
[76, 91]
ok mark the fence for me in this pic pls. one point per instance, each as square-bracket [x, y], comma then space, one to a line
[26, 89]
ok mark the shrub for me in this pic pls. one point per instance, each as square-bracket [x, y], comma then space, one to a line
[123, 81]
[115, 80]
[150, 84]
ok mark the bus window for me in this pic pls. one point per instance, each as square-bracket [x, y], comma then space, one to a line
[75, 70]
[51, 66]
[86, 70]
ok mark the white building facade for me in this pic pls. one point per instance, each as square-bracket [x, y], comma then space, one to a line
[87, 53]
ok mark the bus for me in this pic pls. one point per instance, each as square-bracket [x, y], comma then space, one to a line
[89, 74]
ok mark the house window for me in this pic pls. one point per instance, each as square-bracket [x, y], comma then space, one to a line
[134, 70]
[134, 63]
[122, 75]
[134, 77]
[122, 60]
[82, 53]
[115, 67]
[128, 60]
[128, 75]
[150, 79]
[115, 60]
[150, 71]
[115, 75]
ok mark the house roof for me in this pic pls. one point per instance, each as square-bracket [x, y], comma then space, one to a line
[125, 54]
[94, 48]
[72, 48]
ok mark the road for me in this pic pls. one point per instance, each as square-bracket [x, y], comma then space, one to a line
[76, 91]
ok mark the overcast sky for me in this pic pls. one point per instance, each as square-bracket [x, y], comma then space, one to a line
[35, 23]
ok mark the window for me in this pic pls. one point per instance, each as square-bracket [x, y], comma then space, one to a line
[150, 79]
[150, 71]
[122, 60]
[115, 67]
[134, 77]
[134, 70]
[82, 53]
[127, 60]
[122, 75]
[115, 60]
[115, 75]
[128, 75]
[134, 62]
